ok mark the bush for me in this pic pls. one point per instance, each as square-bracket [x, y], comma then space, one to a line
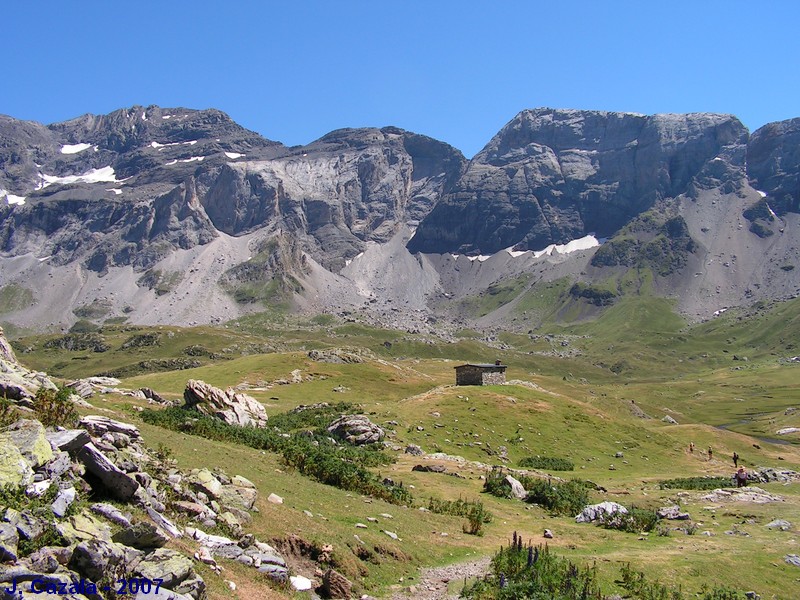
[8, 412]
[636, 520]
[55, 408]
[496, 485]
[520, 572]
[474, 511]
[560, 498]
[547, 463]
[695, 483]
[311, 453]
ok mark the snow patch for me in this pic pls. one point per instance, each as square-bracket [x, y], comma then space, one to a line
[584, 243]
[165, 117]
[103, 174]
[144, 117]
[117, 191]
[481, 258]
[762, 194]
[233, 155]
[11, 198]
[719, 312]
[185, 160]
[74, 148]
[45, 258]
[160, 145]
[772, 212]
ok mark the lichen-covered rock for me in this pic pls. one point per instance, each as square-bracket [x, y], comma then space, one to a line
[230, 406]
[29, 437]
[356, 429]
[14, 469]
[83, 527]
[170, 566]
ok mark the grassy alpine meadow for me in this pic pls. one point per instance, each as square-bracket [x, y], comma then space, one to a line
[596, 415]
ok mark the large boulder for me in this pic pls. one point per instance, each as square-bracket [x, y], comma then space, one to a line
[356, 429]
[598, 512]
[229, 405]
[517, 489]
[118, 483]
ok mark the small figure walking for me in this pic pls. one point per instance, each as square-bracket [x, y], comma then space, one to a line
[691, 447]
[741, 478]
[735, 459]
[710, 453]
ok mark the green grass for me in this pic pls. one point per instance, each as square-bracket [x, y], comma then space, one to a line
[582, 412]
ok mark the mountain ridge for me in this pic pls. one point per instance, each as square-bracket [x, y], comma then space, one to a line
[162, 191]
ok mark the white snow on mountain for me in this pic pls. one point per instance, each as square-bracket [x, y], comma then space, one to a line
[103, 174]
[233, 155]
[74, 148]
[11, 198]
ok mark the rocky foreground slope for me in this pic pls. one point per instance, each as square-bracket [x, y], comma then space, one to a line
[182, 216]
[89, 512]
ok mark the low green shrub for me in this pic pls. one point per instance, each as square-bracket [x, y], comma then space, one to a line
[636, 520]
[560, 498]
[695, 483]
[547, 463]
[310, 452]
[534, 573]
[521, 572]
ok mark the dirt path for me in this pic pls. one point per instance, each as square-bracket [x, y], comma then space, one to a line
[433, 582]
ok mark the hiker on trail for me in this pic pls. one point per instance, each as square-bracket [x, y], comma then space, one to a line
[735, 459]
[710, 453]
[691, 447]
[741, 478]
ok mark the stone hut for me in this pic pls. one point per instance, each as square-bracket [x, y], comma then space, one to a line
[481, 374]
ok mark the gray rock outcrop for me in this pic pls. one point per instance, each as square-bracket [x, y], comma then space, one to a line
[235, 408]
[598, 512]
[551, 176]
[111, 459]
[356, 429]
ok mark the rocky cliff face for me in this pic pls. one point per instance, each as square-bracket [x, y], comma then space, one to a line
[349, 187]
[182, 216]
[130, 187]
[773, 164]
[551, 176]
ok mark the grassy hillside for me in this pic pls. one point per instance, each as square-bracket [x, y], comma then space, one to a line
[597, 401]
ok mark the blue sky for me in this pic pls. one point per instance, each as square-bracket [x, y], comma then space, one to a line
[454, 70]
